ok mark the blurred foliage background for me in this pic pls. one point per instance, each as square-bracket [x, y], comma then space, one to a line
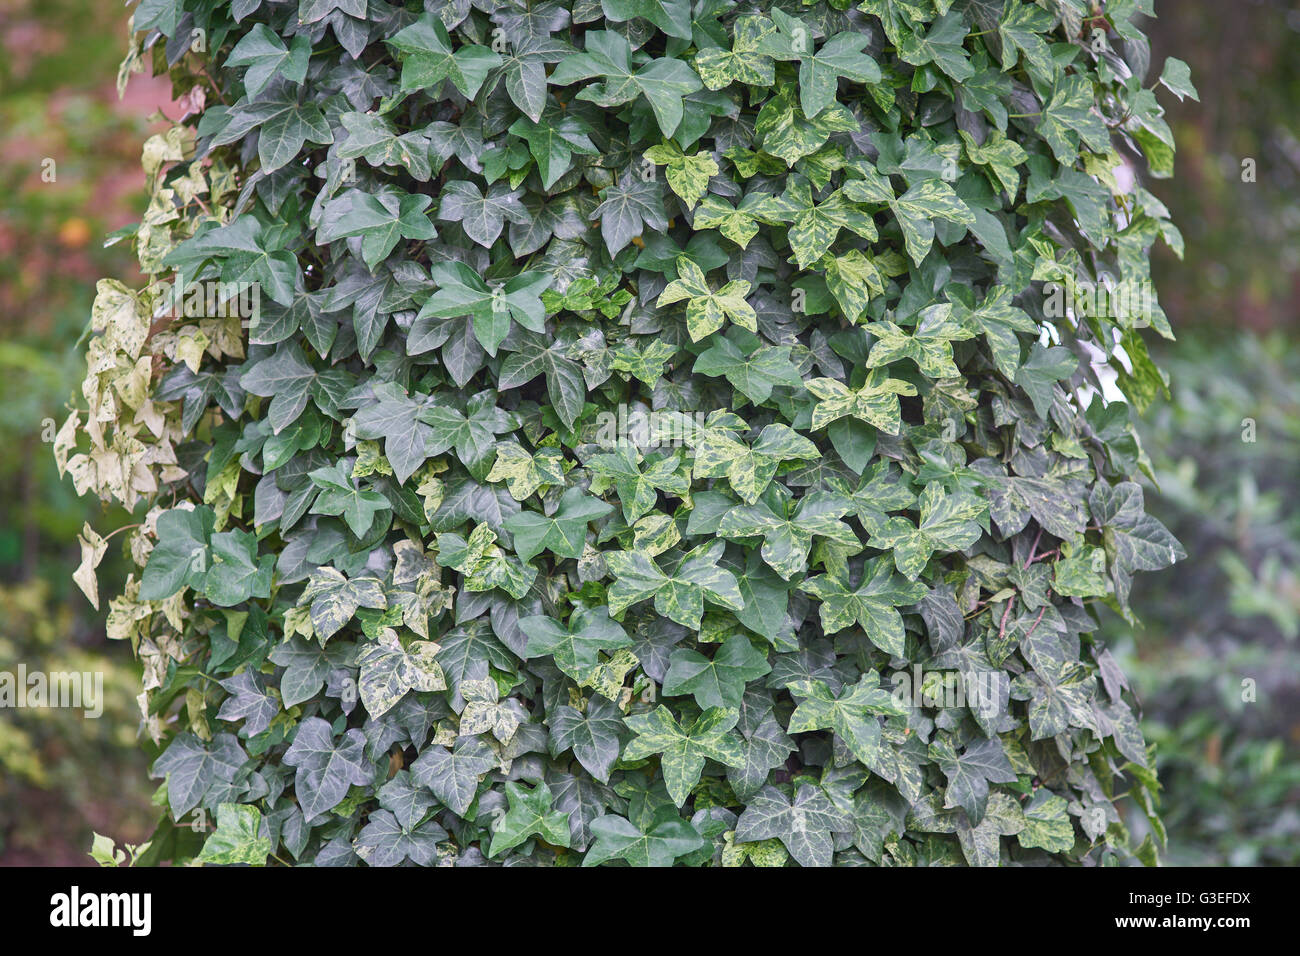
[1216, 662]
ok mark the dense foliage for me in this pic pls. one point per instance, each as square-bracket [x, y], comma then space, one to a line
[644, 396]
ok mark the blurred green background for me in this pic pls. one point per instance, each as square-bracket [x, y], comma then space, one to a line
[1217, 628]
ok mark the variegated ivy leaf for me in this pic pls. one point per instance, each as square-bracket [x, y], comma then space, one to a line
[883, 488]
[389, 669]
[688, 176]
[524, 472]
[999, 321]
[485, 713]
[929, 344]
[754, 40]
[875, 403]
[804, 825]
[873, 604]
[916, 210]
[238, 838]
[680, 595]
[530, 815]
[683, 750]
[749, 469]
[707, 310]
[484, 565]
[948, 522]
[787, 528]
[637, 487]
[850, 714]
[334, 599]
[643, 360]
[575, 646]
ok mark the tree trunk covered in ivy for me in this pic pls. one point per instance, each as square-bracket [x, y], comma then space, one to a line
[644, 432]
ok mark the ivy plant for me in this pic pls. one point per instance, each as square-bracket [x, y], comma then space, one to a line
[649, 413]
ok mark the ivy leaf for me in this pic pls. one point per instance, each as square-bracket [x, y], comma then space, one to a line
[180, 556]
[575, 646]
[266, 56]
[193, 768]
[754, 372]
[627, 207]
[787, 538]
[284, 126]
[803, 825]
[873, 604]
[749, 468]
[846, 714]
[325, 768]
[1021, 27]
[564, 533]
[718, 681]
[552, 140]
[663, 82]
[381, 219]
[237, 839]
[1047, 824]
[565, 384]
[673, 17]
[1068, 116]
[656, 841]
[384, 841]
[530, 815]
[427, 58]
[916, 210]
[472, 432]
[453, 774]
[249, 702]
[706, 310]
[637, 488]
[594, 736]
[749, 61]
[819, 73]
[683, 750]
[970, 773]
[875, 403]
[388, 670]
[682, 594]
[1138, 541]
[940, 45]
[340, 496]
[1041, 371]
[688, 176]
[396, 419]
[948, 522]
[482, 216]
[286, 379]
[526, 472]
